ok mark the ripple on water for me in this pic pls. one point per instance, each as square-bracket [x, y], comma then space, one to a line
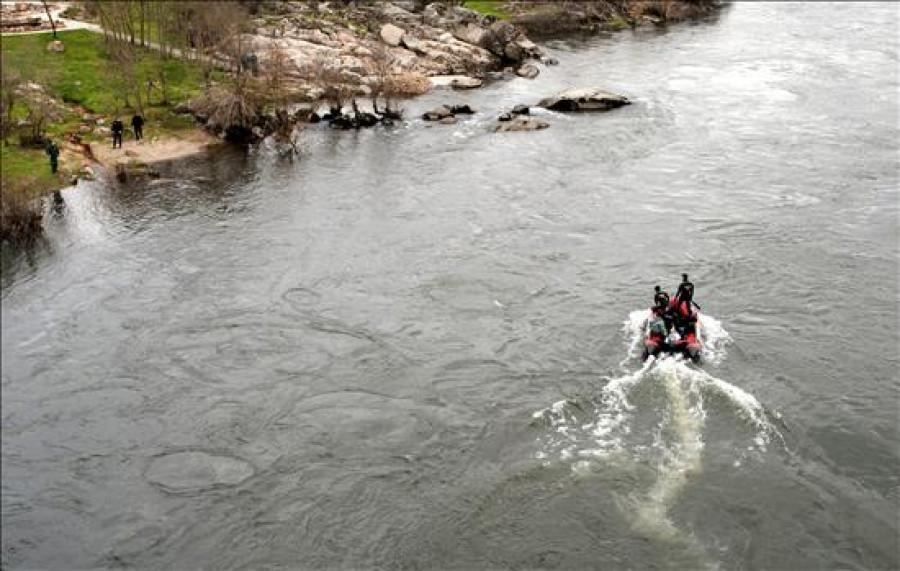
[196, 471]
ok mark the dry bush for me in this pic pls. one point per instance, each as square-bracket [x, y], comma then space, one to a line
[10, 82]
[409, 84]
[20, 218]
[337, 89]
[227, 108]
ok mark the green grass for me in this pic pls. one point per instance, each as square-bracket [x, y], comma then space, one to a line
[488, 8]
[81, 77]
[28, 171]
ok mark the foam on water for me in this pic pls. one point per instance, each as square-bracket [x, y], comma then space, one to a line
[711, 333]
[610, 429]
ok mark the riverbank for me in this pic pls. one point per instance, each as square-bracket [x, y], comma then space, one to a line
[317, 53]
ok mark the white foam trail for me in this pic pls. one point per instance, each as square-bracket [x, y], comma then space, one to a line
[586, 431]
[680, 440]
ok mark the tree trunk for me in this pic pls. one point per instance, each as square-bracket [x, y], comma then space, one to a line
[49, 17]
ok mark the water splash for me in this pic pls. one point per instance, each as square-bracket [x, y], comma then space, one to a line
[655, 415]
[710, 333]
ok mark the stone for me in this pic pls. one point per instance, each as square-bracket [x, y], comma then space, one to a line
[433, 14]
[466, 83]
[472, 34]
[520, 110]
[521, 124]
[462, 110]
[448, 120]
[462, 15]
[584, 99]
[505, 117]
[438, 113]
[411, 43]
[528, 71]
[391, 34]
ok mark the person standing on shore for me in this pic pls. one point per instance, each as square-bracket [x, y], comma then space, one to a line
[137, 123]
[117, 129]
[53, 152]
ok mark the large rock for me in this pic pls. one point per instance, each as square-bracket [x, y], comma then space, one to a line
[528, 71]
[504, 32]
[433, 14]
[438, 113]
[391, 34]
[473, 34]
[521, 124]
[411, 43]
[584, 99]
[466, 83]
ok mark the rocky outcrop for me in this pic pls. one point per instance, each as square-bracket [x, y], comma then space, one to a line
[437, 113]
[584, 99]
[411, 40]
[521, 124]
[446, 114]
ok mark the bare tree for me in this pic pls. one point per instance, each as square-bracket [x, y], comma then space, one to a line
[384, 83]
[49, 17]
[10, 83]
[336, 89]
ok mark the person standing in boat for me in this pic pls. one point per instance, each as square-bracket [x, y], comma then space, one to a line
[681, 308]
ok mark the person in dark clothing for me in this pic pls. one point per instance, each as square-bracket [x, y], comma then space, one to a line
[117, 129]
[53, 152]
[137, 123]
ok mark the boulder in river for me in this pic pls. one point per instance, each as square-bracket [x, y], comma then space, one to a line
[528, 71]
[438, 113]
[462, 110]
[466, 83]
[584, 99]
[522, 124]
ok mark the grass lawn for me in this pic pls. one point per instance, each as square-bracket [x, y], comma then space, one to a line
[82, 78]
[29, 171]
[488, 8]
[82, 74]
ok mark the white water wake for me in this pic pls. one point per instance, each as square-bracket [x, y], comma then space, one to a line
[654, 415]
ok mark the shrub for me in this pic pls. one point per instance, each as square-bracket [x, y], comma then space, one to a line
[20, 217]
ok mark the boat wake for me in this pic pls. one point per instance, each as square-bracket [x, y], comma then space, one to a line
[651, 420]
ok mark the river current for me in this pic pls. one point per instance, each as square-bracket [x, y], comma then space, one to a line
[414, 347]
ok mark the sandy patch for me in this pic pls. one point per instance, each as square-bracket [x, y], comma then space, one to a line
[158, 150]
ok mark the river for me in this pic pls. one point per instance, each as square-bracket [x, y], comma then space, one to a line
[413, 347]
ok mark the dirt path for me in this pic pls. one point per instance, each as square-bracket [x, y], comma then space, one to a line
[190, 143]
[62, 24]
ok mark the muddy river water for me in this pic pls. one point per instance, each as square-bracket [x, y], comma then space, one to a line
[414, 347]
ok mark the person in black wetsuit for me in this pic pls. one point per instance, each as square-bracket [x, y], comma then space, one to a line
[681, 308]
[117, 129]
[53, 152]
[137, 123]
